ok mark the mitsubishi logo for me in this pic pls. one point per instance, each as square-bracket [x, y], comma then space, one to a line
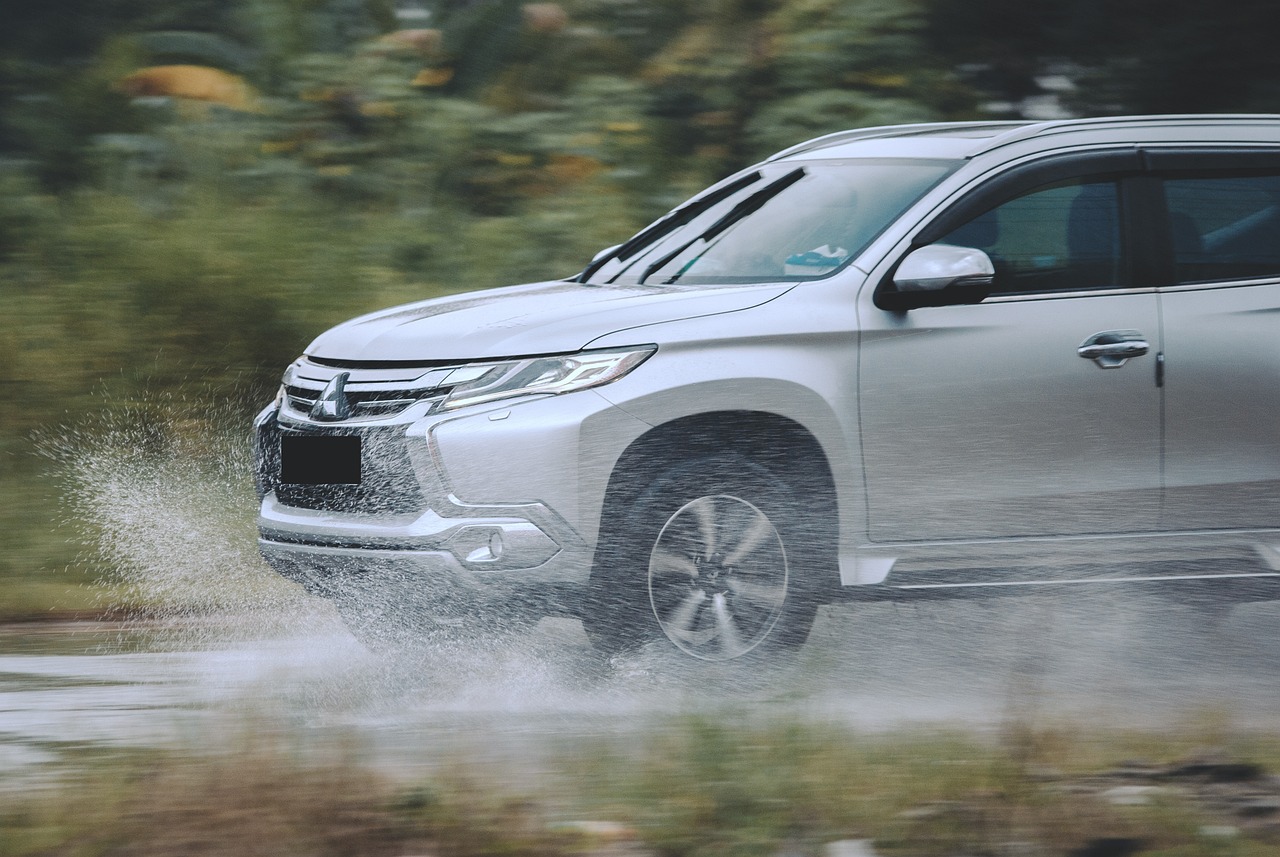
[333, 404]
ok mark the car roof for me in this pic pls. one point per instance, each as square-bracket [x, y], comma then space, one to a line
[969, 139]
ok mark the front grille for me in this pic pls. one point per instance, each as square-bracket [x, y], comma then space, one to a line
[388, 484]
[370, 392]
[364, 403]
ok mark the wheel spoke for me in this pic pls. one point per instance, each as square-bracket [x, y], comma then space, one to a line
[669, 562]
[704, 512]
[760, 593]
[731, 644]
[680, 622]
[753, 536]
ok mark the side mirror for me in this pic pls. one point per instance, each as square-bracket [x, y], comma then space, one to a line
[939, 275]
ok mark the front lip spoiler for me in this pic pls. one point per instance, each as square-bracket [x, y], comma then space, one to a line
[436, 577]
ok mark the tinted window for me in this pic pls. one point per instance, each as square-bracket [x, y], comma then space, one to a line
[1224, 228]
[1061, 237]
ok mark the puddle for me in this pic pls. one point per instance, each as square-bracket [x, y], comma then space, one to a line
[516, 704]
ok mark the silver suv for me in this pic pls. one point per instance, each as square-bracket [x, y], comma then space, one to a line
[938, 359]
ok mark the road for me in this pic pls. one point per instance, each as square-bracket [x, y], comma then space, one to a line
[1093, 662]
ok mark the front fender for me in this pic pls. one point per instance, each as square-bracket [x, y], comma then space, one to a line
[816, 411]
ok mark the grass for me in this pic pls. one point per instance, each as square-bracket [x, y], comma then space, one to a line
[41, 572]
[27, 600]
[693, 788]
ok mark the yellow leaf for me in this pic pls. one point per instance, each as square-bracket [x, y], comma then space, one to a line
[509, 160]
[433, 77]
[424, 40]
[378, 109]
[192, 82]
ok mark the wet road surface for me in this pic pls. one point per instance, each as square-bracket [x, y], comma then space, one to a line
[952, 665]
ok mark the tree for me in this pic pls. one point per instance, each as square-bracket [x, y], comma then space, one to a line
[1125, 56]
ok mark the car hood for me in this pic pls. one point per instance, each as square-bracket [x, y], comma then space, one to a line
[541, 318]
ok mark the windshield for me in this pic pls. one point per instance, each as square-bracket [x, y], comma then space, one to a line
[780, 223]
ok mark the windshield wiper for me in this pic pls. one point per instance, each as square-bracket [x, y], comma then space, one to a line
[742, 210]
[673, 221]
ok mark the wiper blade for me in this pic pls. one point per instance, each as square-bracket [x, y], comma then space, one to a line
[670, 223]
[744, 209]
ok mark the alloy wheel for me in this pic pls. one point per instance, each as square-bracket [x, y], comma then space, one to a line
[718, 577]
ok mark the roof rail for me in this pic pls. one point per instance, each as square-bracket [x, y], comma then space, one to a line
[1028, 130]
[914, 129]
[1014, 130]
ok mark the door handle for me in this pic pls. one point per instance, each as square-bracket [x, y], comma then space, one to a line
[1112, 348]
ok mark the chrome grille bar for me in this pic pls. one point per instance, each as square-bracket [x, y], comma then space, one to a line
[370, 392]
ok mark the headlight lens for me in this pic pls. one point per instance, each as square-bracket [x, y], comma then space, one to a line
[563, 373]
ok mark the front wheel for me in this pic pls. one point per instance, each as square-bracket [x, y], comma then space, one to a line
[714, 559]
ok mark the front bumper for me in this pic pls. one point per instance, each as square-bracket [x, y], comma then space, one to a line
[469, 545]
[496, 501]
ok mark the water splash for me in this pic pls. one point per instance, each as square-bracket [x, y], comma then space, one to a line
[162, 493]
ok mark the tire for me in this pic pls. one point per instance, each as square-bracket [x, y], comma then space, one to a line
[713, 558]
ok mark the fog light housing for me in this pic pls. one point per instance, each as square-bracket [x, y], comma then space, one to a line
[518, 544]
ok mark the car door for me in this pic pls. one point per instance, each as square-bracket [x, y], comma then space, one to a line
[984, 420]
[1221, 303]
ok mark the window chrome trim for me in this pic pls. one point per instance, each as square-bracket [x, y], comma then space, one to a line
[1075, 293]
[1272, 280]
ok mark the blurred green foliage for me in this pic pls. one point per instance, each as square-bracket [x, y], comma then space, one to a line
[382, 151]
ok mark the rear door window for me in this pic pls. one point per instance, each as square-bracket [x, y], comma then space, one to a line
[1224, 227]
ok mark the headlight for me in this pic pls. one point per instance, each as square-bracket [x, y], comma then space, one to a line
[529, 376]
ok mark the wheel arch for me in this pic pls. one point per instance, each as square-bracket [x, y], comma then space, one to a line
[781, 445]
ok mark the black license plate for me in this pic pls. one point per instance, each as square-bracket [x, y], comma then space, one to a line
[320, 460]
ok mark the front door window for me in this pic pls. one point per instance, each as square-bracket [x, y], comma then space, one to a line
[1064, 237]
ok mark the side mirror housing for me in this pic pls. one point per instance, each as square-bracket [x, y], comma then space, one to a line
[938, 275]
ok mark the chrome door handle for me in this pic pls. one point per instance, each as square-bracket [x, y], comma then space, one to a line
[1111, 348]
